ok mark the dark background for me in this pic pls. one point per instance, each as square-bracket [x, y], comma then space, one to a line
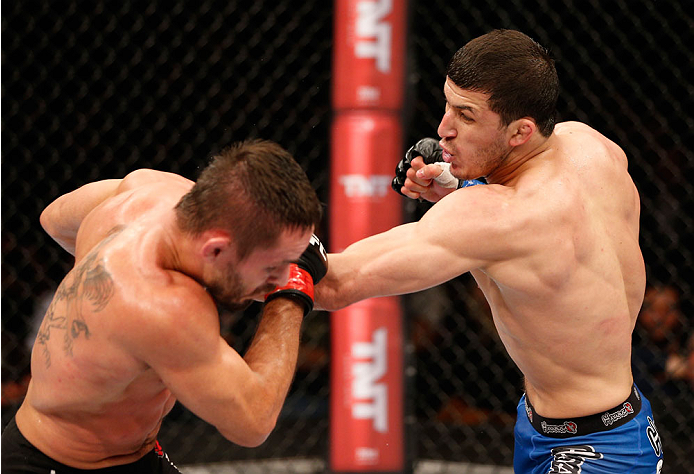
[93, 90]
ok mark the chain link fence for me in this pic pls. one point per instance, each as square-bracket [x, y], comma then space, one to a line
[92, 90]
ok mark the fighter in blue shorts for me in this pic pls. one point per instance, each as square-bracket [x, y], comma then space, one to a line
[552, 240]
[623, 439]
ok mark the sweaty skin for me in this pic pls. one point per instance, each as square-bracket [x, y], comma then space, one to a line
[131, 329]
[552, 242]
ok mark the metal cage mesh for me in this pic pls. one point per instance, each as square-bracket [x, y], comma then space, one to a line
[92, 90]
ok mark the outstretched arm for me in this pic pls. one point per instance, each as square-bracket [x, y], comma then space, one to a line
[455, 236]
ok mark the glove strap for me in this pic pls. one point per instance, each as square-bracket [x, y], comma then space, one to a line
[299, 286]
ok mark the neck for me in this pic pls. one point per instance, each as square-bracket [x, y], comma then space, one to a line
[176, 249]
[518, 159]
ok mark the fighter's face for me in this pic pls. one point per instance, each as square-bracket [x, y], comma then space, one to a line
[236, 283]
[227, 289]
[472, 136]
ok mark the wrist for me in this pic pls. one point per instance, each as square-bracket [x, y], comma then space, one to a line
[299, 288]
[285, 304]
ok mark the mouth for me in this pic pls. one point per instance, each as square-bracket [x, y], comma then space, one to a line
[445, 154]
[447, 157]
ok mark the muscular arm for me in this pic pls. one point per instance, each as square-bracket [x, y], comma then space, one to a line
[458, 234]
[241, 397]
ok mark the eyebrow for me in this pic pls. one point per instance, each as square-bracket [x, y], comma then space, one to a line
[463, 107]
[460, 107]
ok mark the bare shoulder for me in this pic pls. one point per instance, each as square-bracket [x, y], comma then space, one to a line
[486, 218]
[596, 164]
[146, 190]
[148, 177]
[583, 140]
[166, 313]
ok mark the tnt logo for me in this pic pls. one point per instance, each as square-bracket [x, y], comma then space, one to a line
[374, 33]
[358, 185]
[372, 396]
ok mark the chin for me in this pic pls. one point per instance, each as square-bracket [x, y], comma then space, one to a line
[457, 172]
[236, 305]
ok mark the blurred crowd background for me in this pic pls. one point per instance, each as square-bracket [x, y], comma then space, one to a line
[93, 90]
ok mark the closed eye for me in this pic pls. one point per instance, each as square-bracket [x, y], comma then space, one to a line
[462, 110]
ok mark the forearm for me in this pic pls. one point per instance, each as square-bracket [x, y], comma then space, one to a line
[372, 267]
[62, 218]
[405, 259]
[273, 354]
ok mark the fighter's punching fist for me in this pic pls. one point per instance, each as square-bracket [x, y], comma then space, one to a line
[432, 182]
[306, 272]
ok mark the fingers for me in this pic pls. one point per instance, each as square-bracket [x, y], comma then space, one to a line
[428, 172]
[416, 184]
[419, 178]
[406, 192]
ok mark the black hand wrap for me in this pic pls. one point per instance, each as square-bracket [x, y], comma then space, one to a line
[428, 148]
[306, 272]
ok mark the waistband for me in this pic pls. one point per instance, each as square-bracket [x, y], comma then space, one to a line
[584, 425]
[19, 454]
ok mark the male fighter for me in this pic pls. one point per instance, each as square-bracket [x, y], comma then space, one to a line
[134, 326]
[552, 241]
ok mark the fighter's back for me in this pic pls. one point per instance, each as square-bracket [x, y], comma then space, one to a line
[84, 378]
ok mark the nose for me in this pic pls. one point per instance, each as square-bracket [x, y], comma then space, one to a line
[446, 128]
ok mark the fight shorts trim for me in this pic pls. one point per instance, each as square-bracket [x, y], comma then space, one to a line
[583, 425]
[623, 442]
[19, 456]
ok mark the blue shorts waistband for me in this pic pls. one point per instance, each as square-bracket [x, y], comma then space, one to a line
[583, 425]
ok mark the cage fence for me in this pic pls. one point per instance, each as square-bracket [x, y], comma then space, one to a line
[93, 90]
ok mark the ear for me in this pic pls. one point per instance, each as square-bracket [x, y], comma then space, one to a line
[215, 244]
[521, 130]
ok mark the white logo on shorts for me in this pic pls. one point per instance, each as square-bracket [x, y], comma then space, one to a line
[654, 437]
[569, 459]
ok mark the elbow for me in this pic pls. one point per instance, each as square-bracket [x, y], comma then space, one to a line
[258, 436]
[253, 435]
[328, 298]
[252, 424]
[260, 429]
[47, 222]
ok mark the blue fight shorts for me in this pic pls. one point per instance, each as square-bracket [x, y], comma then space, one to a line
[621, 440]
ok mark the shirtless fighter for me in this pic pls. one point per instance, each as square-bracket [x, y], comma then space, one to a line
[134, 325]
[552, 241]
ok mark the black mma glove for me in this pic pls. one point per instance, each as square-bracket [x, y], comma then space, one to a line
[306, 272]
[428, 148]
